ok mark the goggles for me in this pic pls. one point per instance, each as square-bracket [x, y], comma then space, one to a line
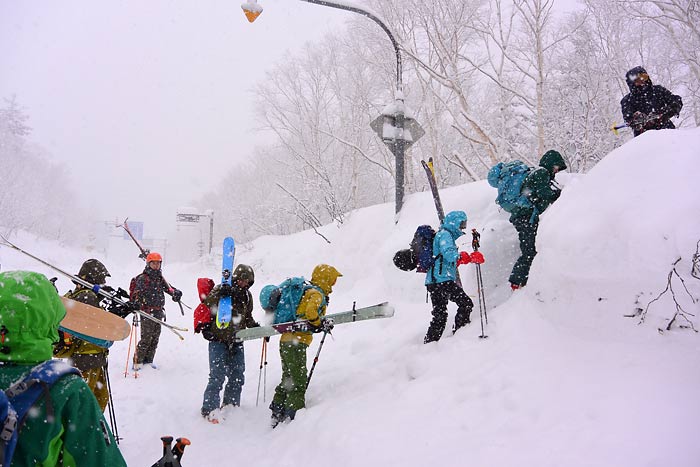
[641, 77]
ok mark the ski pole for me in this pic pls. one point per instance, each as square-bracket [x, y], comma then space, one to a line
[480, 284]
[132, 336]
[110, 407]
[263, 358]
[614, 128]
[95, 288]
[323, 339]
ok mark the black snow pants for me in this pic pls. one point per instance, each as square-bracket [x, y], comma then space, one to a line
[440, 295]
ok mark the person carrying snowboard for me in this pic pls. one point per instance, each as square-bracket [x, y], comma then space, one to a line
[290, 393]
[648, 106]
[148, 290]
[90, 359]
[539, 189]
[226, 357]
[66, 425]
[440, 279]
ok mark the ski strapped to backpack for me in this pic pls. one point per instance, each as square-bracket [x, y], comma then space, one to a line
[18, 399]
[283, 300]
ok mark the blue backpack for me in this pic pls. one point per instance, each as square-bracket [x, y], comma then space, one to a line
[508, 178]
[290, 293]
[16, 401]
[422, 246]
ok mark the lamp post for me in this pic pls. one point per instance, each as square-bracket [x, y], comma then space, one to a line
[397, 143]
[391, 127]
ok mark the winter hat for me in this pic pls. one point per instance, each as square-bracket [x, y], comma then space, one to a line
[30, 312]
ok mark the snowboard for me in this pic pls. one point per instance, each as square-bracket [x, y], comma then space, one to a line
[223, 314]
[381, 310]
[93, 324]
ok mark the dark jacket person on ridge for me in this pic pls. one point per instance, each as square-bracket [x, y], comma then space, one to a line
[648, 106]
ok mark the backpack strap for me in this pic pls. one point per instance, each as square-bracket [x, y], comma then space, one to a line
[324, 301]
[25, 393]
[7, 430]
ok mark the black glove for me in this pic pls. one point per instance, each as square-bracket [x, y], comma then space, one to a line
[325, 326]
[132, 305]
[107, 288]
[652, 120]
[638, 120]
[225, 290]
[177, 295]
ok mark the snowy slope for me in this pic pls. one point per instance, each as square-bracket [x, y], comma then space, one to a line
[564, 379]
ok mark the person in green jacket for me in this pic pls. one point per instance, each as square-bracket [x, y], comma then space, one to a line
[540, 189]
[66, 427]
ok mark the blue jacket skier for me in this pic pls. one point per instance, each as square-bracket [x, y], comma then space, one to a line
[440, 279]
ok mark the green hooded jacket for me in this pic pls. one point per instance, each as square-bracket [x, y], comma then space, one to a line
[538, 185]
[30, 312]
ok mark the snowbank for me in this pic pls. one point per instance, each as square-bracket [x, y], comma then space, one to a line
[564, 379]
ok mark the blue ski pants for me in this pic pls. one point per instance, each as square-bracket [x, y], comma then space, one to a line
[226, 361]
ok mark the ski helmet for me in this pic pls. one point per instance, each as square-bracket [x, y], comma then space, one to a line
[154, 257]
[93, 271]
[244, 272]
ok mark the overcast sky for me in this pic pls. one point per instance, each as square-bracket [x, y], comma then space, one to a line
[146, 101]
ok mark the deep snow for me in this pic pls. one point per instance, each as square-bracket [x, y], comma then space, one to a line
[564, 378]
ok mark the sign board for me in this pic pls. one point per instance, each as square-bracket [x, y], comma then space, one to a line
[136, 229]
[385, 127]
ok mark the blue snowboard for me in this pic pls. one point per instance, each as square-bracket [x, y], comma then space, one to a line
[223, 315]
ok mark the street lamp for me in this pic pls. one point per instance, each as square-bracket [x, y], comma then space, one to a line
[393, 116]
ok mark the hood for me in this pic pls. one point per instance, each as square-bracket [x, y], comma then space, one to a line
[204, 286]
[452, 221]
[30, 312]
[245, 272]
[94, 272]
[550, 159]
[324, 276]
[630, 82]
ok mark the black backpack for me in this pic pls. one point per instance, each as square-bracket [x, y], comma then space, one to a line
[420, 254]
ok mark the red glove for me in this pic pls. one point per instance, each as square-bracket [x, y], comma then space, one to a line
[463, 258]
[477, 257]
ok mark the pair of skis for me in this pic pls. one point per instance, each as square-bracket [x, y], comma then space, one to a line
[112, 296]
[381, 310]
